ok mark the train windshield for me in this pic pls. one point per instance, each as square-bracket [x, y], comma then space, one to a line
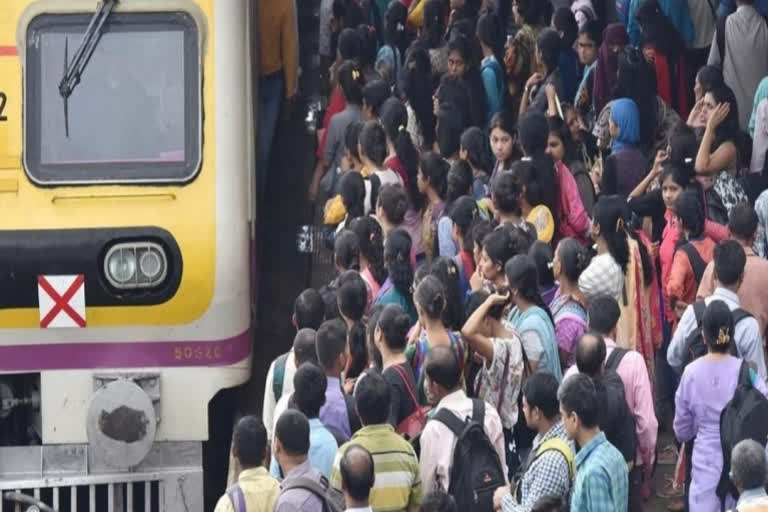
[135, 114]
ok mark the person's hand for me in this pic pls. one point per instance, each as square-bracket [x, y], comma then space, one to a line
[496, 299]
[349, 386]
[597, 176]
[476, 281]
[498, 496]
[533, 80]
[718, 116]
[661, 157]
[415, 334]
[550, 91]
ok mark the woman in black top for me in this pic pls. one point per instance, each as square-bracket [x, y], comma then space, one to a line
[391, 339]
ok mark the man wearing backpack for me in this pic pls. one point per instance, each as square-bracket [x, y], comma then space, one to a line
[469, 465]
[601, 474]
[686, 343]
[753, 292]
[549, 469]
[630, 366]
[308, 313]
[397, 484]
[304, 489]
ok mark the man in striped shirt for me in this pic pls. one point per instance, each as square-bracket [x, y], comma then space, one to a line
[397, 483]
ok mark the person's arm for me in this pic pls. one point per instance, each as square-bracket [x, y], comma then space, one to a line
[526, 99]
[471, 329]
[551, 93]
[289, 38]
[575, 213]
[708, 163]
[676, 350]
[640, 403]
[707, 284]
[678, 275]
[684, 422]
[642, 187]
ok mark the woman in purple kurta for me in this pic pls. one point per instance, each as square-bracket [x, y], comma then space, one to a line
[568, 305]
[706, 386]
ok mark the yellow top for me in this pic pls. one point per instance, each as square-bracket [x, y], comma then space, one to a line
[260, 491]
[543, 221]
[279, 41]
[335, 210]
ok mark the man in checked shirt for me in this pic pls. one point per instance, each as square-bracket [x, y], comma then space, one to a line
[548, 471]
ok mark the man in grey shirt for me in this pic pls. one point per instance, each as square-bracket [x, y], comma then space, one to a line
[291, 448]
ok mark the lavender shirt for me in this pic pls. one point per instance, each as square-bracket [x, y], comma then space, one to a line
[334, 413]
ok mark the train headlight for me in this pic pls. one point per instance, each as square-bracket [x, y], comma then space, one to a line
[135, 265]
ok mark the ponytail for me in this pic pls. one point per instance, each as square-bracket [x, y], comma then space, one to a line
[394, 119]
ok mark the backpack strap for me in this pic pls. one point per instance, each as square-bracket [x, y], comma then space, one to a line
[408, 386]
[613, 361]
[698, 310]
[698, 264]
[450, 420]
[236, 496]
[278, 376]
[320, 489]
[558, 445]
[502, 384]
[745, 376]
[478, 412]
[720, 38]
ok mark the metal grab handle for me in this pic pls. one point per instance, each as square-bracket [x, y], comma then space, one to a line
[24, 499]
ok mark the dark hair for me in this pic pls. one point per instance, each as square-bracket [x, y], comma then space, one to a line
[431, 296]
[491, 34]
[565, 21]
[658, 30]
[534, 132]
[480, 229]
[397, 258]
[506, 193]
[709, 77]
[540, 391]
[578, 395]
[459, 182]
[463, 45]
[331, 342]
[395, 18]
[358, 477]
[371, 238]
[346, 250]
[372, 399]
[352, 191]
[730, 259]
[373, 320]
[349, 44]
[353, 299]
[680, 174]
[728, 130]
[442, 367]
[309, 385]
[309, 309]
[375, 93]
[609, 210]
[418, 87]
[522, 274]
[590, 354]
[250, 441]
[477, 299]
[435, 170]
[683, 145]
[528, 181]
[448, 130]
[542, 255]
[454, 90]
[475, 143]
[438, 501]
[603, 313]
[373, 142]
[549, 44]
[394, 201]
[636, 80]
[368, 45]
[351, 81]
[559, 129]
[394, 119]
[352, 137]
[292, 430]
[447, 272]
[743, 221]
[499, 246]
[573, 258]
[464, 213]
[594, 30]
[717, 327]
[690, 211]
[305, 346]
[433, 25]
[534, 12]
[394, 323]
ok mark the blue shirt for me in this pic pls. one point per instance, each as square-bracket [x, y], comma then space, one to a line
[334, 413]
[493, 81]
[602, 482]
[322, 450]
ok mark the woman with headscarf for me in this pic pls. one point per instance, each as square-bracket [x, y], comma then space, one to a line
[626, 165]
[614, 39]
[758, 127]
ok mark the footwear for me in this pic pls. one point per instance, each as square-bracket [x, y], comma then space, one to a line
[668, 456]
[670, 491]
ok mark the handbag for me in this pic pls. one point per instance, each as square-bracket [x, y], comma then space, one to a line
[411, 426]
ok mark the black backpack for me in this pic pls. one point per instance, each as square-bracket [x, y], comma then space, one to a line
[742, 418]
[697, 263]
[694, 343]
[477, 471]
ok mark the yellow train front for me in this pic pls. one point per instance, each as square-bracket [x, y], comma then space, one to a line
[126, 200]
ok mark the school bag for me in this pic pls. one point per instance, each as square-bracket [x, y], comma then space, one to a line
[742, 418]
[613, 361]
[554, 444]
[697, 263]
[694, 343]
[278, 376]
[411, 427]
[477, 471]
[333, 500]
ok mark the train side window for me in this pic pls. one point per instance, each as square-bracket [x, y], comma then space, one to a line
[135, 116]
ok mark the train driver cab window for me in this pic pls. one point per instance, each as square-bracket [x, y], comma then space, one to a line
[135, 114]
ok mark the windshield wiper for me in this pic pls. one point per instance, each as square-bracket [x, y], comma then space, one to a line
[73, 70]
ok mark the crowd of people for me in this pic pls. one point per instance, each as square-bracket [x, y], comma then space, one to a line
[549, 224]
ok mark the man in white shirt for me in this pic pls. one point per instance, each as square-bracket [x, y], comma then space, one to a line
[729, 260]
[443, 390]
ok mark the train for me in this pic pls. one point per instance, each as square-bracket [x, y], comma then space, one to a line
[127, 221]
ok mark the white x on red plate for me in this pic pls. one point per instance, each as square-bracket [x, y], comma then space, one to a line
[61, 300]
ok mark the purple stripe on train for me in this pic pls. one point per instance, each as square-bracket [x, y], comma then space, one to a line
[71, 356]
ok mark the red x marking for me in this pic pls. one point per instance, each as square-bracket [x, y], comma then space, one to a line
[61, 301]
